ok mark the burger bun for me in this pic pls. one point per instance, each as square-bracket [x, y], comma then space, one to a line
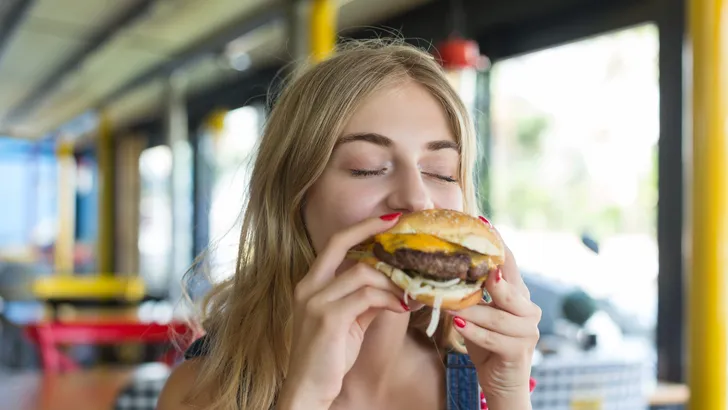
[454, 227]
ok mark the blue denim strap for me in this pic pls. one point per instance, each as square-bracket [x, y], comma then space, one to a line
[462, 383]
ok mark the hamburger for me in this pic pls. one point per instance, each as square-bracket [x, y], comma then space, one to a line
[438, 257]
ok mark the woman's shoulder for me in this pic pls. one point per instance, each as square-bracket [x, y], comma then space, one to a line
[180, 383]
[184, 377]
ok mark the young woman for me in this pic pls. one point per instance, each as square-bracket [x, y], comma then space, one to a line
[351, 144]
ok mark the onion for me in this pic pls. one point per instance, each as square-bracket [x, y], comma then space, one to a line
[435, 318]
[436, 284]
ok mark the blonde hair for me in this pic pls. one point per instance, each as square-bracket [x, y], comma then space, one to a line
[248, 317]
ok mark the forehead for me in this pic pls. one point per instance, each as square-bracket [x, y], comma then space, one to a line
[407, 114]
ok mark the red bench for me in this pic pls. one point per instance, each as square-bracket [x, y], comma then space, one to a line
[48, 336]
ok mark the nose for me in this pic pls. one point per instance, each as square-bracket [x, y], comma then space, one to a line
[409, 193]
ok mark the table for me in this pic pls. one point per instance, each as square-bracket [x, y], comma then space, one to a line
[669, 396]
[82, 390]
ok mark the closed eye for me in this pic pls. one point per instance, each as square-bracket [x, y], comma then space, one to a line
[367, 172]
[444, 178]
[378, 172]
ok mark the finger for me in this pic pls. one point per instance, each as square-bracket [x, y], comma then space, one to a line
[355, 278]
[499, 321]
[365, 303]
[500, 344]
[507, 297]
[341, 242]
[510, 268]
[324, 267]
[512, 274]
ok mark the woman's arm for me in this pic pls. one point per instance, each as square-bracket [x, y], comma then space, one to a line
[179, 385]
[521, 402]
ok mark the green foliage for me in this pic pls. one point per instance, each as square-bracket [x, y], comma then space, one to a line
[523, 201]
[529, 134]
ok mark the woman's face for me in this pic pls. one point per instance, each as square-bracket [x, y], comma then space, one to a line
[396, 154]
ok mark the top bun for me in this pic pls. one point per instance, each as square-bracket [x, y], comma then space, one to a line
[455, 227]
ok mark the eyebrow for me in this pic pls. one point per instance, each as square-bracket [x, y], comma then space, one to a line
[382, 141]
[443, 144]
[376, 139]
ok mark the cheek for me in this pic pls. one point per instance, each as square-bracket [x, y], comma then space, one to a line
[448, 197]
[335, 205]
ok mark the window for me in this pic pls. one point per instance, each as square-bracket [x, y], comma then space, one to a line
[574, 161]
[233, 151]
[155, 225]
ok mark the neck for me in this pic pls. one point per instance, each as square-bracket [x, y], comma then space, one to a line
[390, 358]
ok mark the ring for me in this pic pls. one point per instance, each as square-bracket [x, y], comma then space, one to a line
[486, 296]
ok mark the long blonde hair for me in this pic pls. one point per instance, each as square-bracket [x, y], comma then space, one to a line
[248, 317]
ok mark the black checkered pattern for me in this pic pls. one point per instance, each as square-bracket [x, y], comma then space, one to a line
[143, 389]
[567, 385]
[140, 395]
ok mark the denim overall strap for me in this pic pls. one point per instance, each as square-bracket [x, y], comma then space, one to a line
[463, 392]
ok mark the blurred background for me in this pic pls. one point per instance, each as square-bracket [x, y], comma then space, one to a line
[127, 130]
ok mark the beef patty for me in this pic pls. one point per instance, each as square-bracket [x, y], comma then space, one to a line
[433, 265]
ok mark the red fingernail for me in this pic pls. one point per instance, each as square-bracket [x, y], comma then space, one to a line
[404, 306]
[482, 218]
[532, 384]
[390, 217]
[459, 322]
[498, 275]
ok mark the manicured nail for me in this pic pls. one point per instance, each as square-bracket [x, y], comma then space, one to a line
[404, 306]
[532, 384]
[487, 222]
[498, 275]
[390, 217]
[459, 322]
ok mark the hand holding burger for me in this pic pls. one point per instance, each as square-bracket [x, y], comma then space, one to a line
[500, 338]
[437, 257]
[446, 260]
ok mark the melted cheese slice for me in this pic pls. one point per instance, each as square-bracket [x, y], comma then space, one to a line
[427, 243]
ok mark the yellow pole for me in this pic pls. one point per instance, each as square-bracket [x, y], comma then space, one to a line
[105, 157]
[66, 236]
[709, 208]
[214, 126]
[215, 121]
[323, 28]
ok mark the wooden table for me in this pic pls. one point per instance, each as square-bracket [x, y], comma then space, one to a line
[82, 390]
[669, 394]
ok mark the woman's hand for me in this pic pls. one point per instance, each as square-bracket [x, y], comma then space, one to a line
[331, 314]
[501, 336]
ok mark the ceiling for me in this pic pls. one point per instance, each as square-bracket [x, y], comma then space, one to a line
[60, 59]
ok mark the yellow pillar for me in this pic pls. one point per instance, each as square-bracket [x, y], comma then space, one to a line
[215, 121]
[105, 158]
[66, 236]
[709, 207]
[105, 285]
[323, 28]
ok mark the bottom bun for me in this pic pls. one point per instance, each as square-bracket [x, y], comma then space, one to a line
[455, 297]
